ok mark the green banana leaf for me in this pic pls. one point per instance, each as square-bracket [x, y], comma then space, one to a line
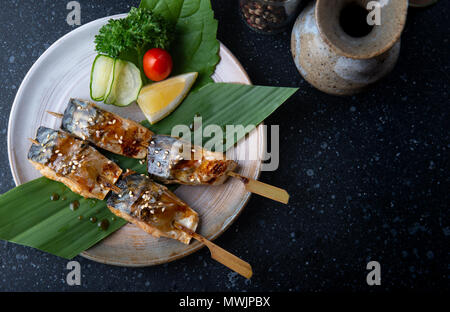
[29, 217]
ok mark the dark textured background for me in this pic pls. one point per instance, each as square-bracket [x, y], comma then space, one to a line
[368, 175]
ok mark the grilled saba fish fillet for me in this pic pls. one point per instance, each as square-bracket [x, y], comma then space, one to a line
[168, 163]
[105, 129]
[152, 207]
[64, 158]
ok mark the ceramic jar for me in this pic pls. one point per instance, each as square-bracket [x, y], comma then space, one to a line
[335, 49]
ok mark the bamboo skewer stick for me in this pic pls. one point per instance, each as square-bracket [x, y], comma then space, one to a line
[34, 141]
[109, 186]
[58, 115]
[221, 255]
[263, 189]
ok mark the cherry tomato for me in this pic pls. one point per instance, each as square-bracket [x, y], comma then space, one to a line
[157, 64]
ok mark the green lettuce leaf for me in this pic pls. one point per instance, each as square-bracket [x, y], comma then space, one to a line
[195, 47]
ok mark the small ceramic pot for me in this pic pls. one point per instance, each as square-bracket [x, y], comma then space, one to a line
[339, 60]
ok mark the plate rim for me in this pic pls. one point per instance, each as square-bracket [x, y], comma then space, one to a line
[12, 117]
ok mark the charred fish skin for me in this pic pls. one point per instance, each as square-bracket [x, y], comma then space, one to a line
[105, 129]
[61, 157]
[171, 160]
[132, 188]
[164, 152]
[152, 207]
[77, 116]
[47, 138]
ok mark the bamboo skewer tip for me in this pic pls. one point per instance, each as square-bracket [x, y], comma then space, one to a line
[219, 254]
[58, 115]
[263, 189]
[34, 141]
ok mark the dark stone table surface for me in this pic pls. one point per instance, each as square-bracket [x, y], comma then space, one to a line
[368, 174]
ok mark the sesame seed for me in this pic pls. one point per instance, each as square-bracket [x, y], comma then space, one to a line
[114, 121]
[156, 152]
[60, 154]
[158, 164]
[152, 142]
[166, 152]
[120, 141]
[164, 208]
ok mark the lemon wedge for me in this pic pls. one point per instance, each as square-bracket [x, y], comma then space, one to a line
[159, 99]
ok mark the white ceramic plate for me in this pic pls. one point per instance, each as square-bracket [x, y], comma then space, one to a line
[62, 72]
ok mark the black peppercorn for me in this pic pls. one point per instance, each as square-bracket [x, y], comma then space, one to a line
[268, 16]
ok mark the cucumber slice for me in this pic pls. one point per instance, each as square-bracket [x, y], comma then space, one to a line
[110, 94]
[129, 84]
[100, 74]
[125, 84]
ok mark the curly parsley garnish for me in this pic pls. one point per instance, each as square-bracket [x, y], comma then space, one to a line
[139, 31]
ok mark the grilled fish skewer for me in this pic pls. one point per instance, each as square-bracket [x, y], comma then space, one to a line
[152, 207]
[168, 163]
[156, 210]
[105, 129]
[171, 160]
[64, 158]
[210, 168]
